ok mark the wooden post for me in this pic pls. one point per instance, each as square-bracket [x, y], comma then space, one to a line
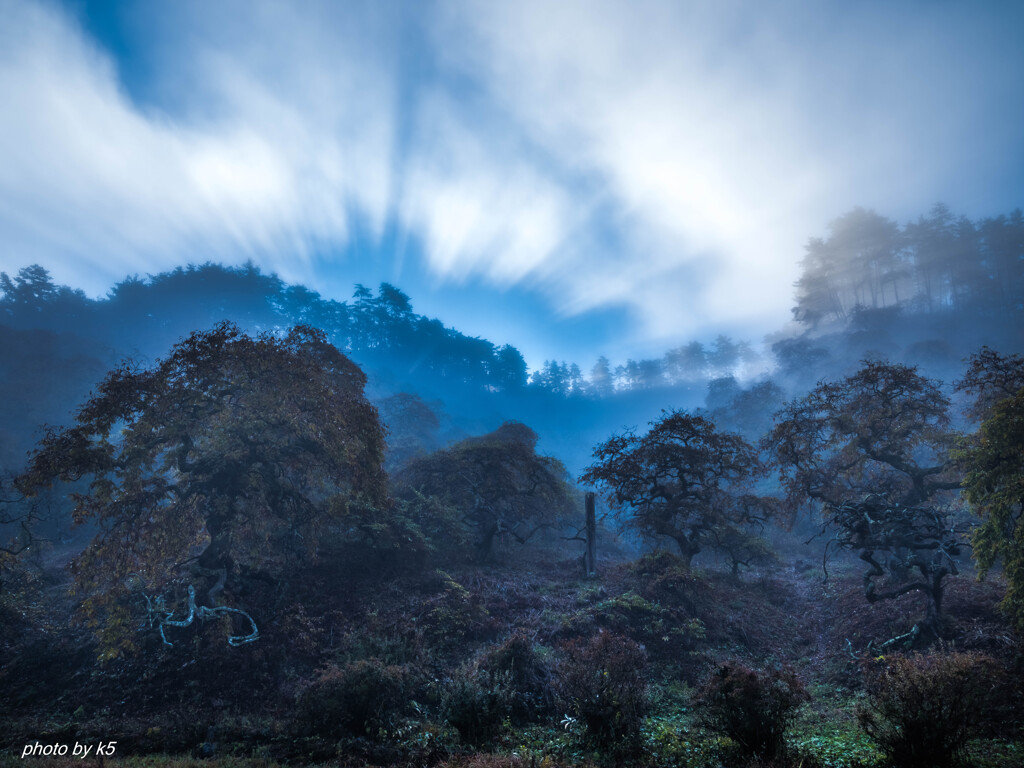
[590, 557]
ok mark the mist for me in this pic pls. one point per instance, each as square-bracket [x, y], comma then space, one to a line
[462, 385]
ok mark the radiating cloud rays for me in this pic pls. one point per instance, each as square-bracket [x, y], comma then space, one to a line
[727, 133]
[271, 172]
[482, 208]
[669, 159]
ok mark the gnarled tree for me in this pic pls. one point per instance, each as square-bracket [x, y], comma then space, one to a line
[871, 450]
[683, 480]
[233, 455]
[497, 482]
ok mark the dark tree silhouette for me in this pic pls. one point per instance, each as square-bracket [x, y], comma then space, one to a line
[508, 371]
[233, 454]
[871, 450]
[498, 482]
[683, 480]
[993, 460]
[18, 520]
[995, 489]
[31, 300]
[991, 378]
[800, 358]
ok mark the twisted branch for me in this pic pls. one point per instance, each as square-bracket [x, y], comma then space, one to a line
[159, 616]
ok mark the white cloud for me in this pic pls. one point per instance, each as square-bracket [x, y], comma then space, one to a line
[276, 167]
[480, 207]
[680, 146]
[727, 133]
[669, 158]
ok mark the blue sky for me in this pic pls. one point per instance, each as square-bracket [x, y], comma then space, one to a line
[574, 178]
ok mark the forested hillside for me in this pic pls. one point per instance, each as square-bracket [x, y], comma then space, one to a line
[244, 524]
[929, 294]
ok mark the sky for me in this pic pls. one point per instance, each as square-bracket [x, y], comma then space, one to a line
[575, 178]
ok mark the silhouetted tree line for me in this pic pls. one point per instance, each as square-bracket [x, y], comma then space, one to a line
[378, 329]
[940, 263]
[151, 314]
[929, 293]
[691, 363]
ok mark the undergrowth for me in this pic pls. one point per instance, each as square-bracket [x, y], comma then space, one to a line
[521, 663]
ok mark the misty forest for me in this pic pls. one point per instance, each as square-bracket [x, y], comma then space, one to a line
[244, 524]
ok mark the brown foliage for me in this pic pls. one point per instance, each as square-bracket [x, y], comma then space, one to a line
[922, 710]
[602, 684]
[990, 378]
[752, 708]
[993, 462]
[872, 450]
[498, 481]
[235, 454]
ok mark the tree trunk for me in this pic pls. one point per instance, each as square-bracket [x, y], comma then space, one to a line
[217, 554]
[687, 550]
[933, 611]
[486, 544]
[590, 556]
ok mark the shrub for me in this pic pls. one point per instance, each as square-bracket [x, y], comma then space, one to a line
[452, 614]
[922, 710]
[476, 702]
[752, 708]
[484, 760]
[663, 578]
[666, 634]
[603, 687]
[529, 678]
[358, 699]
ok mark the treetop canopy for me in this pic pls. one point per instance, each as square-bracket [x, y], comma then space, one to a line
[233, 452]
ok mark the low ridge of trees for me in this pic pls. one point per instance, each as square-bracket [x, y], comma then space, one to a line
[868, 270]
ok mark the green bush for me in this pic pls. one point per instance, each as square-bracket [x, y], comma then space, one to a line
[664, 578]
[922, 710]
[476, 702]
[452, 613]
[602, 684]
[361, 698]
[667, 635]
[529, 676]
[752, 708]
